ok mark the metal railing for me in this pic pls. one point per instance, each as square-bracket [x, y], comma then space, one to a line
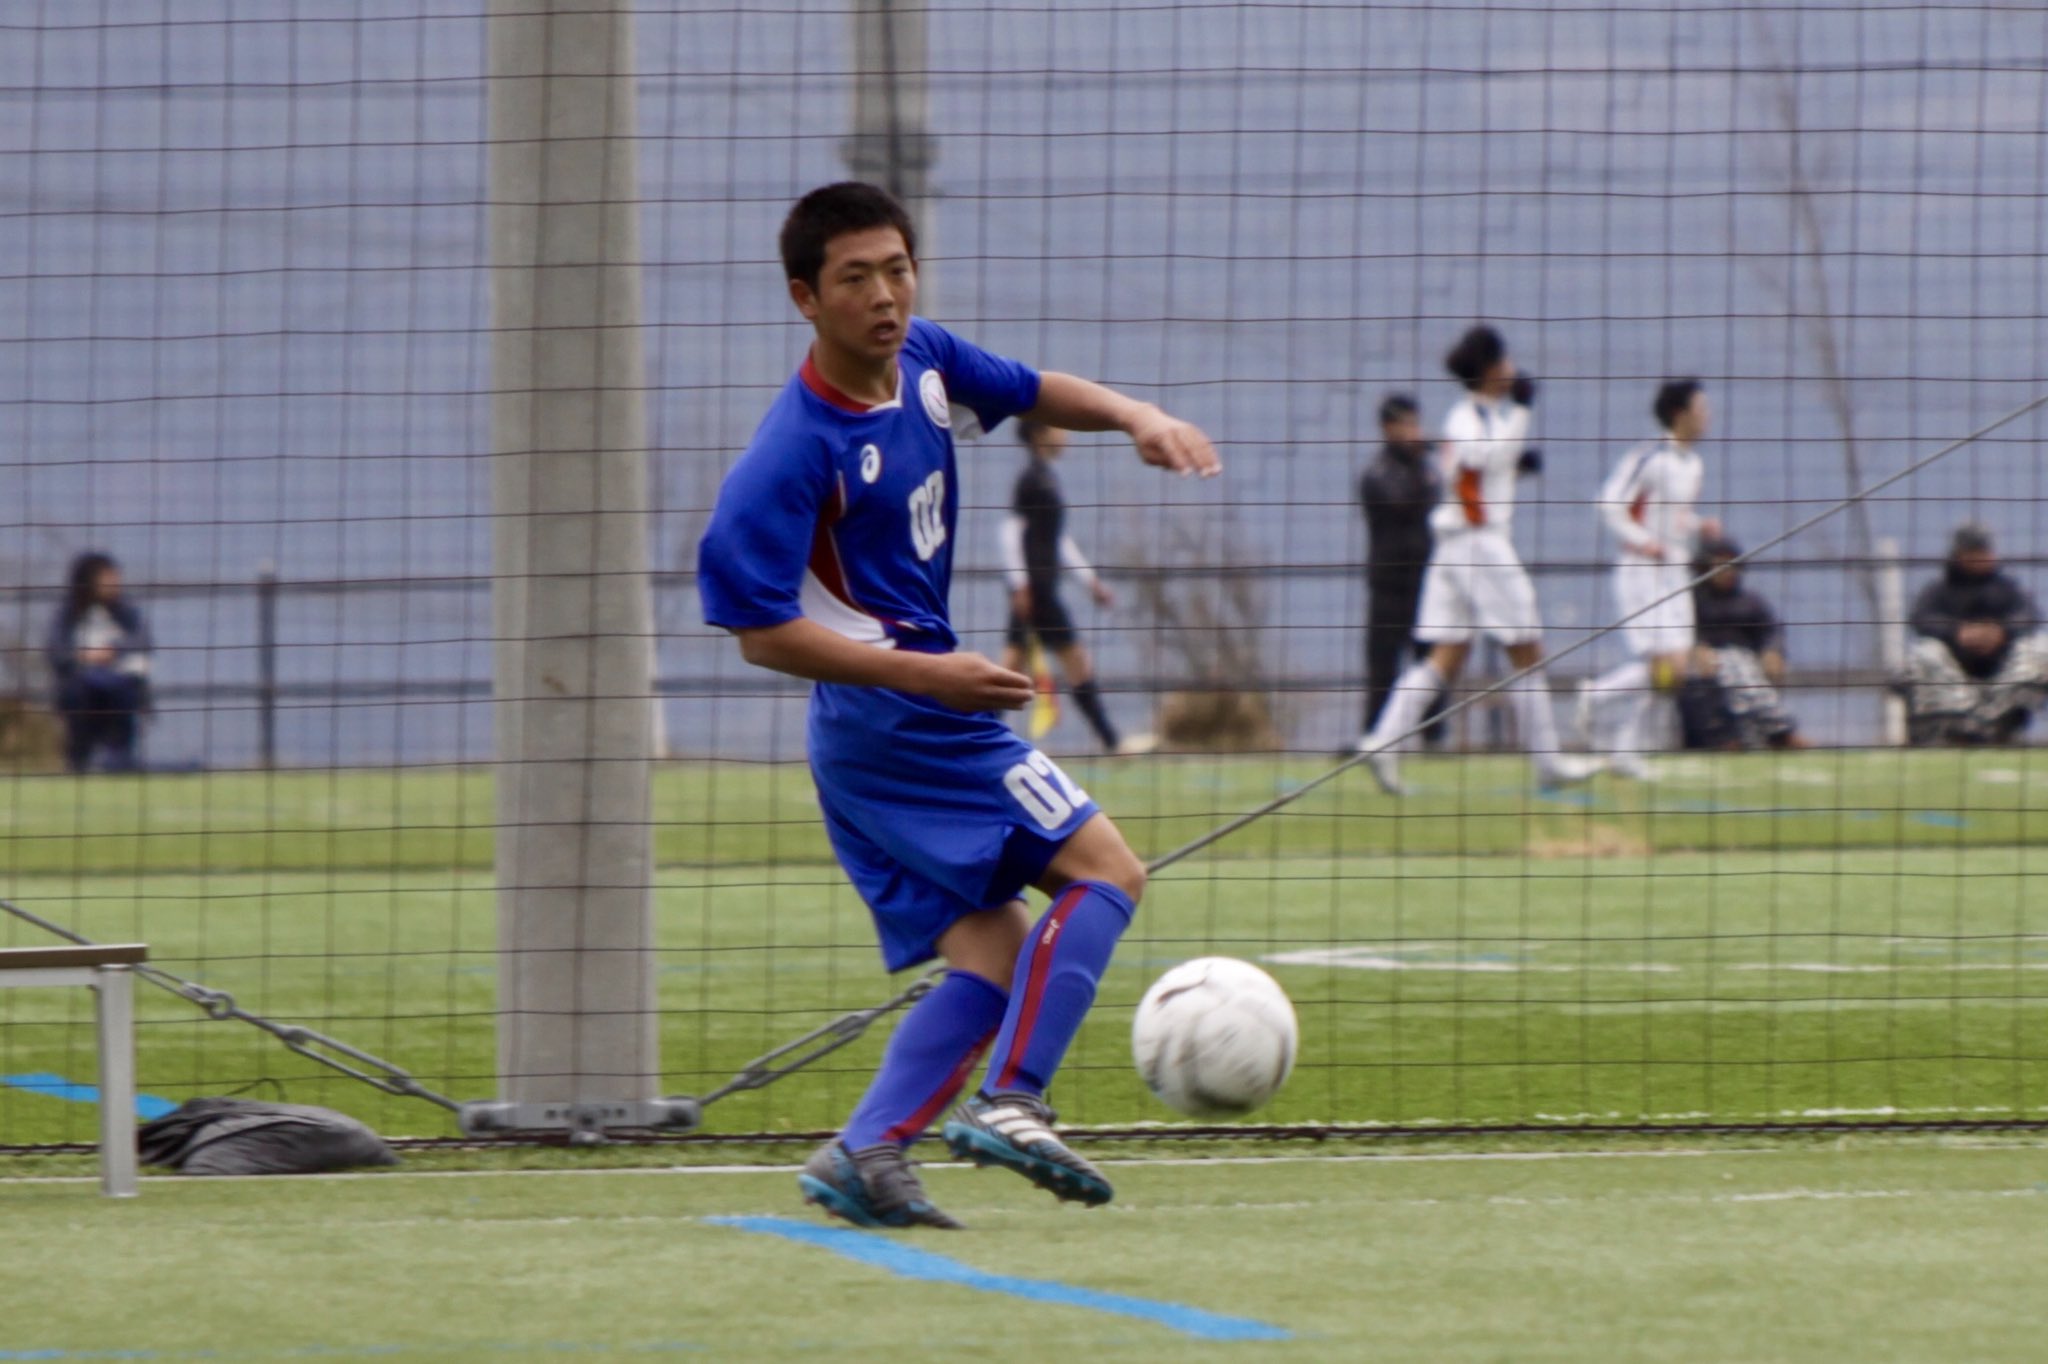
[278, 618]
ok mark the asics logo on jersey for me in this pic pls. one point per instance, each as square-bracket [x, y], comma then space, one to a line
[932, 390]
[870, 463]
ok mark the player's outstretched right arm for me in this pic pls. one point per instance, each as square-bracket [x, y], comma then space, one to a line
[964, 681]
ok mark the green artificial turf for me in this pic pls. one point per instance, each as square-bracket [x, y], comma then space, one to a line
[1735, 943]
[732, 813]
[1872, 1252]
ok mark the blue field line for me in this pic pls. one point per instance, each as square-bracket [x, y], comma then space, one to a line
[50, 1086]
[909, 1262]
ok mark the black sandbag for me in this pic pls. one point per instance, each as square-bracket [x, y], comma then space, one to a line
[250, 1137]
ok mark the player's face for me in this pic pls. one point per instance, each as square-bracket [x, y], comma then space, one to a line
[1692, 423]
[866, 292]
[1499, 379]
[1977, 563]
[106, 586]
[1405, 429]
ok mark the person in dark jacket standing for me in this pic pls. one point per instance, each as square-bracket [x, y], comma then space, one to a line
[98, 648]
[1399, 489]
[1976, 668]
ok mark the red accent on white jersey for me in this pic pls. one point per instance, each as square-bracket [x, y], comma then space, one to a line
[1483, 439]
[1648, 501]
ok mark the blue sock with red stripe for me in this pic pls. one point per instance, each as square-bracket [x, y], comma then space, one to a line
[933, 1051]
[1062, 960]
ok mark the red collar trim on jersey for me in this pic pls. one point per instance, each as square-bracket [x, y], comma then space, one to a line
[817, 383]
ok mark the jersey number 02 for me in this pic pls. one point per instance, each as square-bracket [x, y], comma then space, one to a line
[928, 514]
[1044, 791]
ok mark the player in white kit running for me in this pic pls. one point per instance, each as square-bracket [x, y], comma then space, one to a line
[1648, 502]
[1475, 584]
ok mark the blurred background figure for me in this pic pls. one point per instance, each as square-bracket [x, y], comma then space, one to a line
[1475, 586]
[1730, 698]
[1976, 668]
[98, 648]
[1036, 549]
[1648, 504]
[1398, 491]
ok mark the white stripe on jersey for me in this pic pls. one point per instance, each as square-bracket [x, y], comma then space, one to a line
[820, 605]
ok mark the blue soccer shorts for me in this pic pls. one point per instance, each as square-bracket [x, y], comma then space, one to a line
[934, 814]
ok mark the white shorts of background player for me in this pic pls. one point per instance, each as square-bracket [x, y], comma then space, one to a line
[1666, 626]
[1475, 585]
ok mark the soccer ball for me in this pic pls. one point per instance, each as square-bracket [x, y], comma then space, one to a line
[1214, 1037]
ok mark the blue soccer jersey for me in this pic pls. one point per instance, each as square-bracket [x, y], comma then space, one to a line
[844, 515]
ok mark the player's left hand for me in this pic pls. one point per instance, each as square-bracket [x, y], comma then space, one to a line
[1104, 598]
[1167, 442]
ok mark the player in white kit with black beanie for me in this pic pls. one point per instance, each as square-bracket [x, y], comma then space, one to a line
[1648, 503]
[1475, 583]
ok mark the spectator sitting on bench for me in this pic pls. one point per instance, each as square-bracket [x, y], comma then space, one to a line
[1730, 698]
[98, 649]
[1976, 668]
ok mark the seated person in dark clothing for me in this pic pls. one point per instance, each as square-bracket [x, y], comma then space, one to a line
[1730, 698]
[1976, 668]
[98, 648]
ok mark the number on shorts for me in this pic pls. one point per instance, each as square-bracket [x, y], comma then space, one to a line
[1044, 791]
[928, 514]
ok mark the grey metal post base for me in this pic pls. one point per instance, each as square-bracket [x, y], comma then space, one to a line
[587, 1123]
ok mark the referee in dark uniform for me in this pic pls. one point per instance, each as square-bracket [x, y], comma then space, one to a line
[1036, 551]
[1397, 491]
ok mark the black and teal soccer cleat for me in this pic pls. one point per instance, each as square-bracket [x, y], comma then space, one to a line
[872, 1187]
[1015, 1132]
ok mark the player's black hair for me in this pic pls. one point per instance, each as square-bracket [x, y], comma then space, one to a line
[1673, 398]
[833, 211]
[81, 582]
[1477, 351]
[1028, 432]
[1972, 537]
[1713, 552]
[1397, 405]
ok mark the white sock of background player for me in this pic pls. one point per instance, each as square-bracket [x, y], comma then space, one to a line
[1535, 717]
[1617, 701]
[1413, 690]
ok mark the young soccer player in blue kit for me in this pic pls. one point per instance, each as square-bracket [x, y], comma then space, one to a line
[830, 556]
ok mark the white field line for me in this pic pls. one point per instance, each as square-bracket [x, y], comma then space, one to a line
[1387, 958]
[1130, 1208]
[1571, 1201]
[1127, 1162]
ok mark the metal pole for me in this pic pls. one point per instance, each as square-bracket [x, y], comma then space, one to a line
[571, 608]
[891, 144]
[113, 992]
[1890, 595]
[266, 665]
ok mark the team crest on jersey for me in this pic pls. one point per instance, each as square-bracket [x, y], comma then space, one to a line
[870, 463]
[932, 389]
